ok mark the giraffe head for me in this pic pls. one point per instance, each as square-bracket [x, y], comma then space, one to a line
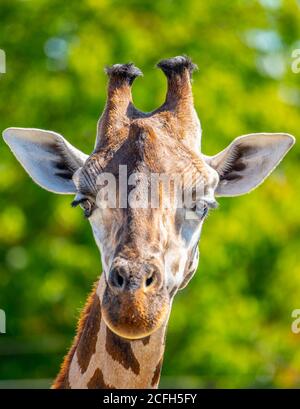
[149, 247]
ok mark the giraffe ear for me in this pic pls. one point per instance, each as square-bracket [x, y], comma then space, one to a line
[46, 156]
[248, 160]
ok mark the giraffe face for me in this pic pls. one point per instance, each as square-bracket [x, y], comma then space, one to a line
[148, 248]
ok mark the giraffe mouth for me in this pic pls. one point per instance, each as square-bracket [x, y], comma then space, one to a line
[134, 315]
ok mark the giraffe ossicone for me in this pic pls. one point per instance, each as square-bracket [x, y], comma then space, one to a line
[148, 252]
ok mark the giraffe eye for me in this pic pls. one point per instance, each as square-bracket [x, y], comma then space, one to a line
[86, 205]
[201, 209]
[204, 211]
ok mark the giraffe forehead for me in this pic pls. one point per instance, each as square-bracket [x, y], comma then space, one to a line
[152, 162]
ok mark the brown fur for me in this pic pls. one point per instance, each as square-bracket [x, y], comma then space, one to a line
[146, 340]
[156, 374]
[85, 349]
[97, 381]
[120, 350]
[62, 379]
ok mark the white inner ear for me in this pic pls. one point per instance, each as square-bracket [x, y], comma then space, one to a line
[248, 160]
[46, 156]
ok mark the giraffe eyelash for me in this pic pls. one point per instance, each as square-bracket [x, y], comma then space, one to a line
[76, 202]
[88, 210]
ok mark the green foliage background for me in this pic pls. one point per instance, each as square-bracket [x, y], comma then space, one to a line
[232, 326]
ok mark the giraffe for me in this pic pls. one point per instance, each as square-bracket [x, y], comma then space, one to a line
[147, 254]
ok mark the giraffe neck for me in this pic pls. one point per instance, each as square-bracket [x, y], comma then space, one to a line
[99, 359]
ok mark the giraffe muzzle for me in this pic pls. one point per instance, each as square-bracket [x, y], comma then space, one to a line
[135, 304]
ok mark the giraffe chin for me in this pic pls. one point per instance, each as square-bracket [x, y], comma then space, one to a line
[130, 334]
[134, 316]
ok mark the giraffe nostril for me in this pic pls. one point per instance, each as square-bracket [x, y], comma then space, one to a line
[117, 279]
[123, 279]
[149, 281]
[152, 278]
[120, 280]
